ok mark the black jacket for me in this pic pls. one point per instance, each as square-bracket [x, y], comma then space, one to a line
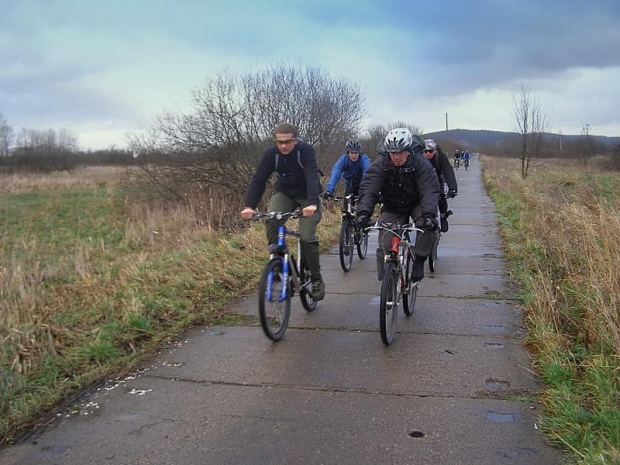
[400, 189]
[298, 175]
[444, 170]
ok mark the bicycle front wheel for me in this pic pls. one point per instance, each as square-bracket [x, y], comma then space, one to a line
[274, 305]
[362, 245]
[411, 291]
[432, 258]
[388, 307]
[346, 245]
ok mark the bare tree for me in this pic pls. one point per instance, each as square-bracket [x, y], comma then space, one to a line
[532, 124]
[6, 137]
[232, 122]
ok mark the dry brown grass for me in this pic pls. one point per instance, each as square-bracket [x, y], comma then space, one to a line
[570, 222]
[88, 177]
[562, 236]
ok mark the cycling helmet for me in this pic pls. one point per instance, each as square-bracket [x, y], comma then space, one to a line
[430, 144]
[398, 140]
[353, 146]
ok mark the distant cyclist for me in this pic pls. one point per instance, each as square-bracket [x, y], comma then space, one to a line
[457, 158]
[351, 166]
[445, 173]
[466, 158]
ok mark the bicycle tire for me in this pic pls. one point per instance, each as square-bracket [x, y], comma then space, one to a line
[273, 310]
[409, 297]
[304, 294]
[388, 307]
[432, 258]
[362, 245]
[345, 248]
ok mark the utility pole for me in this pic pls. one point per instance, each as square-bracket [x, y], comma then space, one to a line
[446, 125]
[585, 131]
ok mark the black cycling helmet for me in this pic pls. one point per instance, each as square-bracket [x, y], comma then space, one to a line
[353, 146]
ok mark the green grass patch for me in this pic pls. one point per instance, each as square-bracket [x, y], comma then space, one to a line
[88, 290]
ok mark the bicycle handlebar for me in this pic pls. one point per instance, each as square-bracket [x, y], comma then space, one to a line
[277, 215]
[395, 227]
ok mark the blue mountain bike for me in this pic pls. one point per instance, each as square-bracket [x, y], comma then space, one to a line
[281, 278]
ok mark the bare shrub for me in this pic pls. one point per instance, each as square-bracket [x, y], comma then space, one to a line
[220, 142]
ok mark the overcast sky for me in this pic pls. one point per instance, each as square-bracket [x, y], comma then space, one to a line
[105, 68]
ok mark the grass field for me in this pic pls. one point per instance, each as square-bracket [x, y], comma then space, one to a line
[561, 230]
[91, 282]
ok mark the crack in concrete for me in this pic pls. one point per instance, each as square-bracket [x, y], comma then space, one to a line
[509, 395]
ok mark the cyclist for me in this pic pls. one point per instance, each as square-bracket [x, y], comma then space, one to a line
[407, 186]
[466, 157]
[445, 174]
[457, 158]
[351, 166]
[297, 186]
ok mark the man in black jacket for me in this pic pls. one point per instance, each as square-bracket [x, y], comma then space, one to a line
[298, 186]
[445, 174]
[406, 184]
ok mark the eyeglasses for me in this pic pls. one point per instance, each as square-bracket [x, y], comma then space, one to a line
[284, 141]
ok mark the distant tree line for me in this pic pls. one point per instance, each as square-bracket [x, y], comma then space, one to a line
[50, 150]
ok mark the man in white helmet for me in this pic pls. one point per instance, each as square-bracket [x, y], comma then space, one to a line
[407, 186]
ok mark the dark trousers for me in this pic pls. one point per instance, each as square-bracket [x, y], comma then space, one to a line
[423, 241]
[307, 229]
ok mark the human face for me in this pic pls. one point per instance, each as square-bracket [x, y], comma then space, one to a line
[285, 143]
[399, 158]
[353, 156]
[428, 154]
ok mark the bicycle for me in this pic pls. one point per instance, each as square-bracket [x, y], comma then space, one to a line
[281, 278]
[466, 163]
[350, 233]
[457, 163]
[432, 258]
[396, 283]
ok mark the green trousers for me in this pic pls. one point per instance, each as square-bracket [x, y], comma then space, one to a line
[307, 229]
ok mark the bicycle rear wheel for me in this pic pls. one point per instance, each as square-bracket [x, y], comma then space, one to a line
[362, 244]
[346, 244]
[388, 307]
[305, 284]
[411, 292]
[274, 310]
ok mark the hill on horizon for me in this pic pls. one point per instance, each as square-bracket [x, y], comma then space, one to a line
[483, 138]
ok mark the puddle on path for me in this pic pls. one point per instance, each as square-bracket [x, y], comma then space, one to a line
[496, 384]
[502, 417]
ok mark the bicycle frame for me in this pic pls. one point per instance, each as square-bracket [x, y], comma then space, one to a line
[288, 261]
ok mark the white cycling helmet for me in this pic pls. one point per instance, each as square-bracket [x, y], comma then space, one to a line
[398, 140]
[430, 144]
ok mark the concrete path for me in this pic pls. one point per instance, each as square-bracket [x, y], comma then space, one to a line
[455, 387]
